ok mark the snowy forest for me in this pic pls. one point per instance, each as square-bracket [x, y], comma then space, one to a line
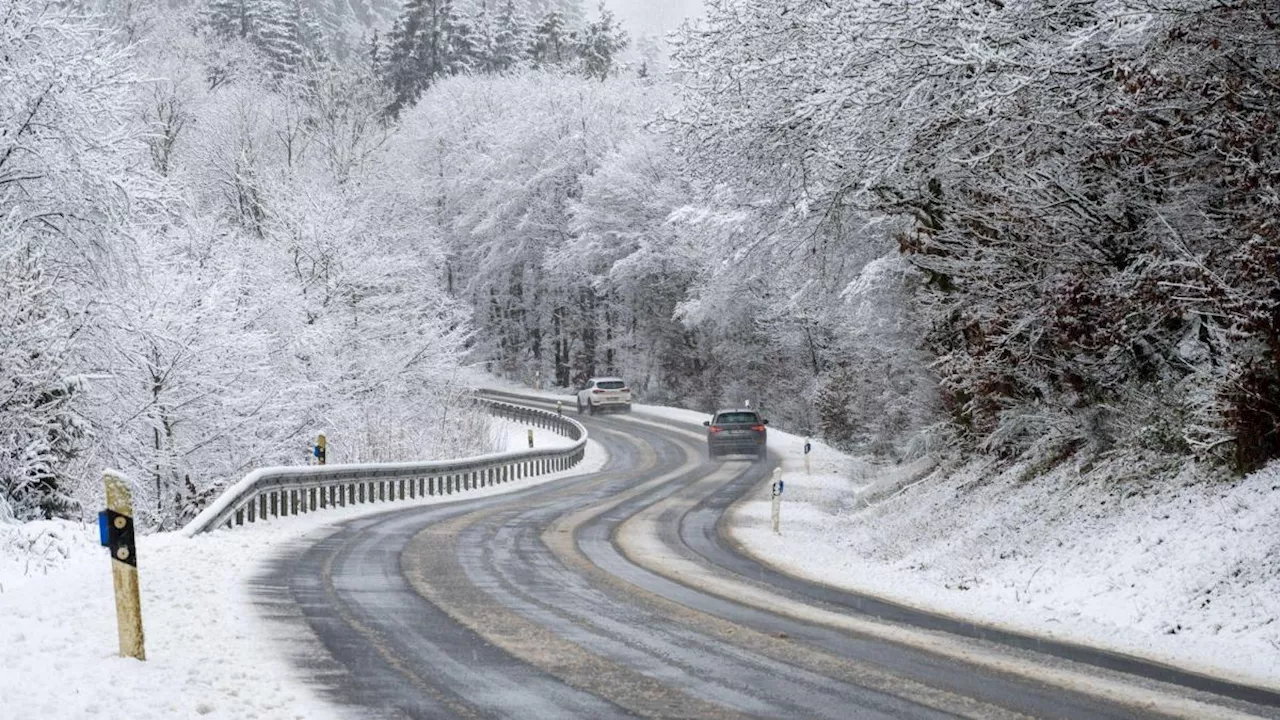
[1022, 228]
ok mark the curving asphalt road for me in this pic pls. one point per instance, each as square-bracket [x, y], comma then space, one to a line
[615, 594]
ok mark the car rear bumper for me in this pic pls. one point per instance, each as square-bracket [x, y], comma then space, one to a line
[748, 444]
[605, 404]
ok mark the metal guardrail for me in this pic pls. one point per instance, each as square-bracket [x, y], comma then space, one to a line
[283, 491]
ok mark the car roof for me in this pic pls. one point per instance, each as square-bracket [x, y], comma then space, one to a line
[605, 378]
[737, 410]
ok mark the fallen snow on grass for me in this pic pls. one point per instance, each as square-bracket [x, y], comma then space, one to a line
[1179, 571]
[509, 435]
[209, 654]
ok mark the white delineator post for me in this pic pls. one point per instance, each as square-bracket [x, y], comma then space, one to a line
[777, 500]
[807, 447]
[530, 438]
[124, 565]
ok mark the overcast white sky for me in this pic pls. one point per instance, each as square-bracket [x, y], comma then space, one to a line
[642, 17]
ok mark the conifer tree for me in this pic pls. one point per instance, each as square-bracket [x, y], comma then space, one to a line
[512, 37]
[601, 41]
[552, 44]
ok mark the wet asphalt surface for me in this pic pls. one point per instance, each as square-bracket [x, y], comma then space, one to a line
[616, 594]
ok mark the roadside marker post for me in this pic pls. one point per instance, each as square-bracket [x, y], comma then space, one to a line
[559, 407]
[530, 438]
[807, 448]
[777, 488]
[117, 530]
[320, 450]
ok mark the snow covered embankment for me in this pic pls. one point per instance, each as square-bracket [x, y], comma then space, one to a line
[209, 654]
[1179, 572]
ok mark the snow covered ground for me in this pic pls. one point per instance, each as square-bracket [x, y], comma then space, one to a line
[1178, 571]
[209, 654]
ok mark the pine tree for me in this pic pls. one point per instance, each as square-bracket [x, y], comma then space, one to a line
[551, 40]
[512, 37]
[408, 58]
[289, 35]
[231, 18]
[459, 40]
[601, 41]
[484, 39]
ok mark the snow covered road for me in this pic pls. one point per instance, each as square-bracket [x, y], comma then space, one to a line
[615, 594]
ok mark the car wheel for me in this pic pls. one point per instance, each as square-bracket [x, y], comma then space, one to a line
[762, 453]
[711, 453]
[579, 407]
[591, 409]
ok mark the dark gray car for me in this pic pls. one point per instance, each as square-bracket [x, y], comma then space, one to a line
[736, 432]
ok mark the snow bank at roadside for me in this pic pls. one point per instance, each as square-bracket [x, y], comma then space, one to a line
[1180, 572]
[509, 436]
[209, 653]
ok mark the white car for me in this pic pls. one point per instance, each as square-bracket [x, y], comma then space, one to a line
[604, 393]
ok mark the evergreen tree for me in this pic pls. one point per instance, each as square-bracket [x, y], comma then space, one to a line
[512, 37]
[601, 41]
[288, 34]
[483, 33]
[409, 65]
[461, 44]
[429, 39]
[552, 43]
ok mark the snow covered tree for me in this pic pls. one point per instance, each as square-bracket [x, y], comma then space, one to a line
[512, 37]
[66, 151]
[1068, 173]
[421, 47]
[602, 39]
[552, 42]
[507, 156]
[288, 33]
[41, 430]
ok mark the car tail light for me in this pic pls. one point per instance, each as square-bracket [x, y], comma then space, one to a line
[758, 428]
[715, 428]
[625, 390]
[597, 391]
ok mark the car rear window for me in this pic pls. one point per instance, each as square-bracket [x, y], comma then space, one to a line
[611, 384]
[731, 418]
